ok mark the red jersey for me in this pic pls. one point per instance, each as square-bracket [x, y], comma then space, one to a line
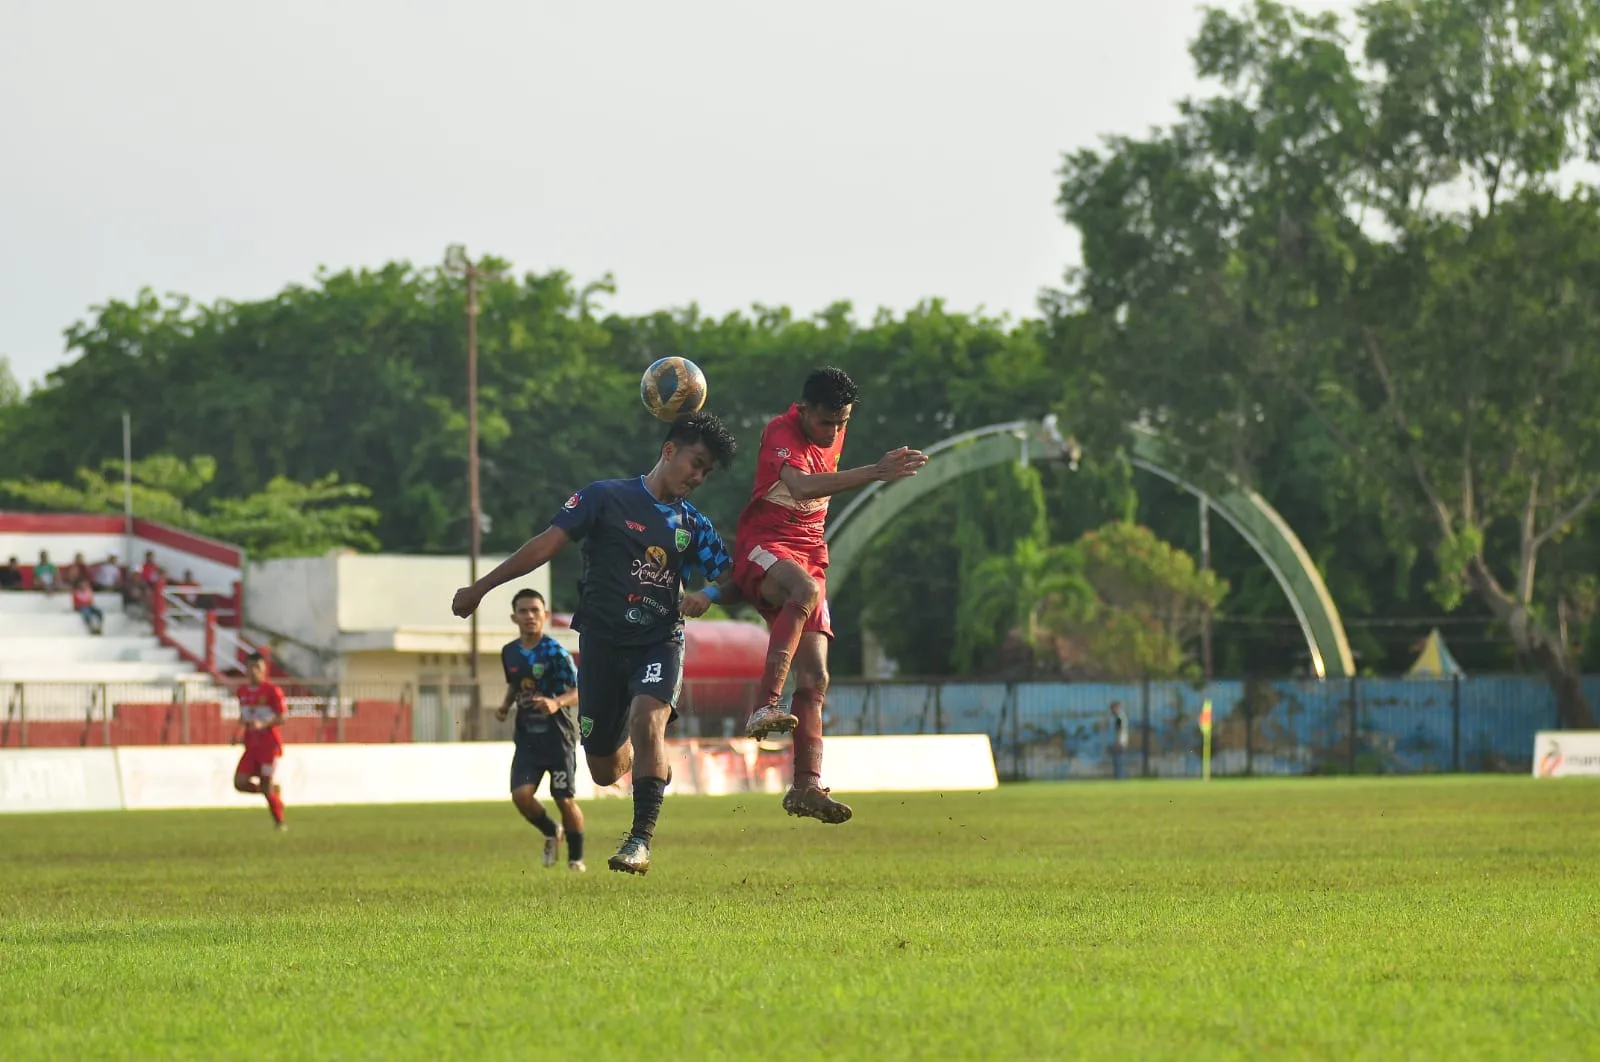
[773, 515]
[261, 702]
[82, 597]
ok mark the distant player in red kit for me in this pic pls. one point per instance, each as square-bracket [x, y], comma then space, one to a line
[779, 561]
[261, 712]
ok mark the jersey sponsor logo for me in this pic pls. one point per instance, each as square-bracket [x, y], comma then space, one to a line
[650, 603]
[782, 451]
[634, 526]
[572, 502]
[681, 538]
[636, 615]
[653, 570]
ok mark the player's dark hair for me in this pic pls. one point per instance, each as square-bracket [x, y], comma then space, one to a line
[255, 658]
[828, 388]
[707, 428]
[527, 592]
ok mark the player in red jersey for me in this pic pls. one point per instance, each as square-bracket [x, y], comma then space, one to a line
[261, 712]
[779, 561]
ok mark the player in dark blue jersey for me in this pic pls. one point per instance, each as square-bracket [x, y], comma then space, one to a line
[641, 542]
[542, 684]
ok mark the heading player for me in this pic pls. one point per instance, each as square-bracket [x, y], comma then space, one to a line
[543, 685]
[261, 714]
[641, 541]
[780, 561]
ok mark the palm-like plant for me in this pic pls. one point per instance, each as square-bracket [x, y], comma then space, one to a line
[1031, 592]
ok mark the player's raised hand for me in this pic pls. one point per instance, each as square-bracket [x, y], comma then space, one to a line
[694, 604]
[466, 601]
[900, 463]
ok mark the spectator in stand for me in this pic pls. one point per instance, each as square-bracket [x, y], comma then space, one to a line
[108, 574]
[78, 569]
[45, 575]
[11, 576]
[142, 586]
[83, 604]
[190, 588]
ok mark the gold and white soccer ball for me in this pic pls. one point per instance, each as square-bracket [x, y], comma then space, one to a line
[672, 387]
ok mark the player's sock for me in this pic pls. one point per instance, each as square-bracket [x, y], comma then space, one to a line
[807, 738]
[574, 846]
[647, 796]
[544, 825]
[782, 641]
[275, 805]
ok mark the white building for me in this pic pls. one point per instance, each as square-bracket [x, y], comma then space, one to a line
[381, 618]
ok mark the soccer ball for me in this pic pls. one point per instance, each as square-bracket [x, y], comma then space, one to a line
[672, 387]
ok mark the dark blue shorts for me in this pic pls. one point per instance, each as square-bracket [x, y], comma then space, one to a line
[529, 764]
[611, 676]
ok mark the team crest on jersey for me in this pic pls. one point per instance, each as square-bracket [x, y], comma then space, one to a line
[680, 538]
[782, 451]
[572, 502]
[585, 725]
[538, 670]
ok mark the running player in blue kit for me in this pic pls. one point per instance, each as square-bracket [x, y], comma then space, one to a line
[641, 542]
[542, 685]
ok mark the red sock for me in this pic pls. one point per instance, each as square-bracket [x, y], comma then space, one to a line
[808, 738]
[275, 805]
[782, 641]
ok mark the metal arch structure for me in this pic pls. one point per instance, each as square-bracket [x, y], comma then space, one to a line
[870, 511]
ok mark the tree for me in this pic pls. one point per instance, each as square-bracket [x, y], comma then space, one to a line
[285, 519]
[1030, 595]
[1375, 241]
[1151, 603]
[10, 389]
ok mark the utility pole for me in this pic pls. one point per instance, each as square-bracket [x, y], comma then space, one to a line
[456, 261]
[127, 491]
[1205, 566]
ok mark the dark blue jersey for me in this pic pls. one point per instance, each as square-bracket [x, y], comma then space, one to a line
[637, 554]
[546, 670]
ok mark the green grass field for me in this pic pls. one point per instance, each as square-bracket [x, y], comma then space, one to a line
[1449, 918]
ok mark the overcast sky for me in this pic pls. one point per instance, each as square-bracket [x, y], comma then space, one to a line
[720, 151]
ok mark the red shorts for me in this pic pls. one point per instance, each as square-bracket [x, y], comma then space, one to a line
[750, 568]
[259, 762]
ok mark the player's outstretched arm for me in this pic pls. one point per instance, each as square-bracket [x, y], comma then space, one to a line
[535, 552]
[723, 592]
[808, 486]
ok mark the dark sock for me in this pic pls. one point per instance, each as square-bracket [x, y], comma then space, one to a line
[544, 825]
[574, 845]
[647, 794]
